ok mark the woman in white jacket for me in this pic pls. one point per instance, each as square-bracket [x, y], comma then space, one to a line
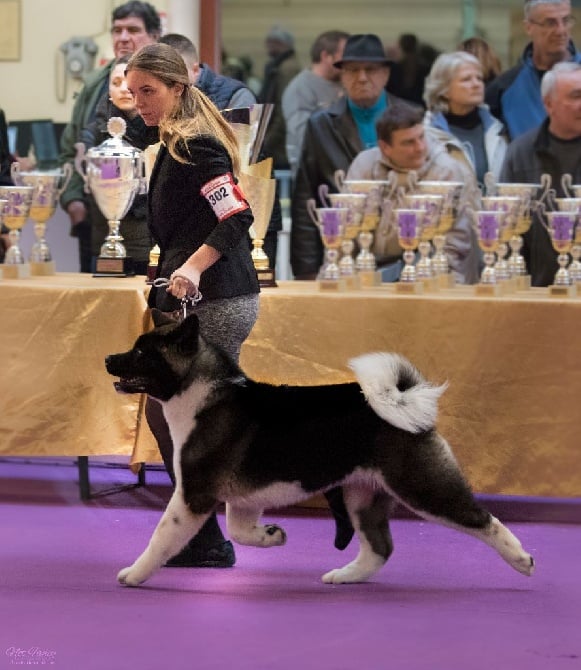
[454, 97]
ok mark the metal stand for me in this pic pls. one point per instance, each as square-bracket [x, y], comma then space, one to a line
[85, 484]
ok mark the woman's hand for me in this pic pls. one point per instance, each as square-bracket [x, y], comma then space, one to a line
[184, 282]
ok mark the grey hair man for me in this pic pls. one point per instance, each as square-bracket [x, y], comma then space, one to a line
[316, 87]
[553, 148]
[514, 97]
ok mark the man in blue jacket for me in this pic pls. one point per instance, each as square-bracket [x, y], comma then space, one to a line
[514, 97]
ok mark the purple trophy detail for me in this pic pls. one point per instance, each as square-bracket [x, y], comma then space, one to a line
[408, 225]
[488, 226]
[562, 226]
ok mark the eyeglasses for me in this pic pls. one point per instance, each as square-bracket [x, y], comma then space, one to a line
[353, 69]
[553, 24]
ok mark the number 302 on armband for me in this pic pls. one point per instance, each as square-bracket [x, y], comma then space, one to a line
[224, 196]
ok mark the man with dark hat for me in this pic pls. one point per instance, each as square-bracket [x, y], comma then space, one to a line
[333, 137]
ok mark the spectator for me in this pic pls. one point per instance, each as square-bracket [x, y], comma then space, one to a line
[553, 148]
[490, 62]
[454, 96]
[278, 72]
[315, 88]
[514, 97]
[333, 137]
[405, 145]
[133, 24]
[409, 72]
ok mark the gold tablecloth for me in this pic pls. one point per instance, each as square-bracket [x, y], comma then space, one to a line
[55, 396]
[510, 412]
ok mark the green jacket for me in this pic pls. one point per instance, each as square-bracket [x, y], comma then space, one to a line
[83, 109]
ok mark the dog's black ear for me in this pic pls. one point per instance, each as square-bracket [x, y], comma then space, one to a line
[160, 318]
[189, 331]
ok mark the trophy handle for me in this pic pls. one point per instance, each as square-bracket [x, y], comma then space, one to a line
[392, 182]
[81, 163]
[545, 185]
[340, 180]
[412, 180]
[66, 175]
[566, 184]
[143, 180]
[312, 210]
[490, 184]
[324, 194]
[15, 173]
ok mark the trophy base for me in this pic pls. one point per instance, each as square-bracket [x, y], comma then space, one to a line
[523, 282]
[489, 290]
[409, 287]
[42, 268]
[16, 271]
[557, 291]
[332, 284]
[114, 267]
[369, 278]
[353, 282]
[446, 280]
[151, 273]
[431, 284]
[266, 278]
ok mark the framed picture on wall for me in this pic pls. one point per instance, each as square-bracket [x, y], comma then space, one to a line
[10, 29]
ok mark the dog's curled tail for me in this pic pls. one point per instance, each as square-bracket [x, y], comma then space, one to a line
[396, 391]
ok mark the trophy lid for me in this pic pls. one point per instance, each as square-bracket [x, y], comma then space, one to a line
[114, 146]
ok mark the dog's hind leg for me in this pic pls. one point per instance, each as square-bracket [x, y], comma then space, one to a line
[176, 527]
[243, 528]
[368, 511]
[439, 492]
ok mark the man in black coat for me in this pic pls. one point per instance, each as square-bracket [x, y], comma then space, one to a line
[333, 138]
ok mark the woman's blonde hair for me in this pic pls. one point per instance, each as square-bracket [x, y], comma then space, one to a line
[438, 82]
[195, 114]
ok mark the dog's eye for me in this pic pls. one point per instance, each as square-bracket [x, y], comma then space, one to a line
[138, 352]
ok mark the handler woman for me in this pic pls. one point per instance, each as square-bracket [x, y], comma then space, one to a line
[200, 220]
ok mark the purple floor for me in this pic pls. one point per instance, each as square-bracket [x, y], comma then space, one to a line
[444, 601]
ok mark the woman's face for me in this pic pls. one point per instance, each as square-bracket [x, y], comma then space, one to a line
[466, 89]
[118, 91]
[153, 99]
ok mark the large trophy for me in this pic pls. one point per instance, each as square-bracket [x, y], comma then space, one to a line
[47, 185]
[249, 125]
[14, 215]
[114, 173]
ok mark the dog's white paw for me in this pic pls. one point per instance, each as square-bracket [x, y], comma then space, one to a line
[128, 577]
[274, 536]
[524, 564]
[359, 570]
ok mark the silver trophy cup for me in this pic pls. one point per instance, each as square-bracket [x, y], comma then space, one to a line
[114, 173]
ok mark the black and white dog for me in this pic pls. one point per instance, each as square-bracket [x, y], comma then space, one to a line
[254, 445]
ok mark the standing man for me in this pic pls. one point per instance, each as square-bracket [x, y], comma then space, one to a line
[553, 148]
[514, 97]
[278, 72]
[316, 87]
[133, 25]
[333, 137]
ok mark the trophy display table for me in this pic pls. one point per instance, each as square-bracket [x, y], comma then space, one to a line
[510, 412]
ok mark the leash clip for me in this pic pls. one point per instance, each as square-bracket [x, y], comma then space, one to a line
[186, 301]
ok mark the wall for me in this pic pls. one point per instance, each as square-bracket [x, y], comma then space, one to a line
[438, 22]
[28, 87]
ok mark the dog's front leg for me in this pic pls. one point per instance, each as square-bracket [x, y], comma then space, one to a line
[243, 528]
[176, 527]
